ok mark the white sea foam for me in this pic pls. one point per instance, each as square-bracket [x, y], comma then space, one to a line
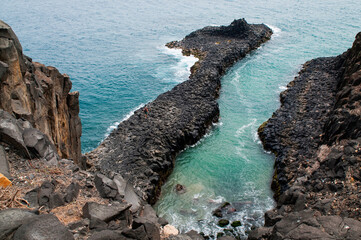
[207, 135]
[115, 125]
[217, 124]
[282, 88]
[255, 136]
[243, 128]
[276, 31]
[182, 69]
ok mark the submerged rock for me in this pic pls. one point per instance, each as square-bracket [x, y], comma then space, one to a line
[180, 189]
[223, 222]
[236, 224]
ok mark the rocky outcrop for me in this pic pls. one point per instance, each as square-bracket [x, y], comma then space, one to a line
[316, 138]
[40, 95]
[26, 140]
[143, 148]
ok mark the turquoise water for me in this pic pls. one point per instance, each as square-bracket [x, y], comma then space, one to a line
[114, 53]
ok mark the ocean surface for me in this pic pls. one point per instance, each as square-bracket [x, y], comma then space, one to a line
[114, 53]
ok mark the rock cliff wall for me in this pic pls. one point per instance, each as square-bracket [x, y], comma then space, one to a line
[316, 138]
[143, 148]
[40, 95]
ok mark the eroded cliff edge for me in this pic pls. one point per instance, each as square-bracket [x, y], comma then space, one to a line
[316, 138]
[143, 149]
[39, 95]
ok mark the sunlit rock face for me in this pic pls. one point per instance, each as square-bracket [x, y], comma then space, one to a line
[40, 95]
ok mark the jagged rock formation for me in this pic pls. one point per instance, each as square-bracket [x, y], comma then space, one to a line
[316, 137]
[143, 148]
[40, 95]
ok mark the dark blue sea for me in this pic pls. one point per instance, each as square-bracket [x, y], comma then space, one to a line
[115, 55]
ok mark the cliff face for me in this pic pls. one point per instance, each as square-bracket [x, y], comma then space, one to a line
[143, 148]
[316, 137]
[40, 95]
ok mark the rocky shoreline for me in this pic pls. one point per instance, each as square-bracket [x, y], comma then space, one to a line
[56, 193]
[143, 148]
[49, 190]
[316, 138]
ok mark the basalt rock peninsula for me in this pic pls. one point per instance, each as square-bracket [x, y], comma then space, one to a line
[316, 138]
[143, 148]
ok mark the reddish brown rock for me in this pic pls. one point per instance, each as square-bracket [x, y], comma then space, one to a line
[39, 94]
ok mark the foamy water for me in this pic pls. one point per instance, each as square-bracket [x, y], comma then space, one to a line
[115, 125]
[181, 70]
[276, 31]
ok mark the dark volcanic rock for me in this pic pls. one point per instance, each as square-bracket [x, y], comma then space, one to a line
[143, 148]
[316, 137]
[105, 212]
[44, 192]
[107, 235]
[12, 219]
[25, 139]
[12, 133]
[106, 187]
[43, 227]
[72, 192]
[294, 130]
[40, 146]
[4, 163]
[194, 235]
[118, 188]
[138, 233]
